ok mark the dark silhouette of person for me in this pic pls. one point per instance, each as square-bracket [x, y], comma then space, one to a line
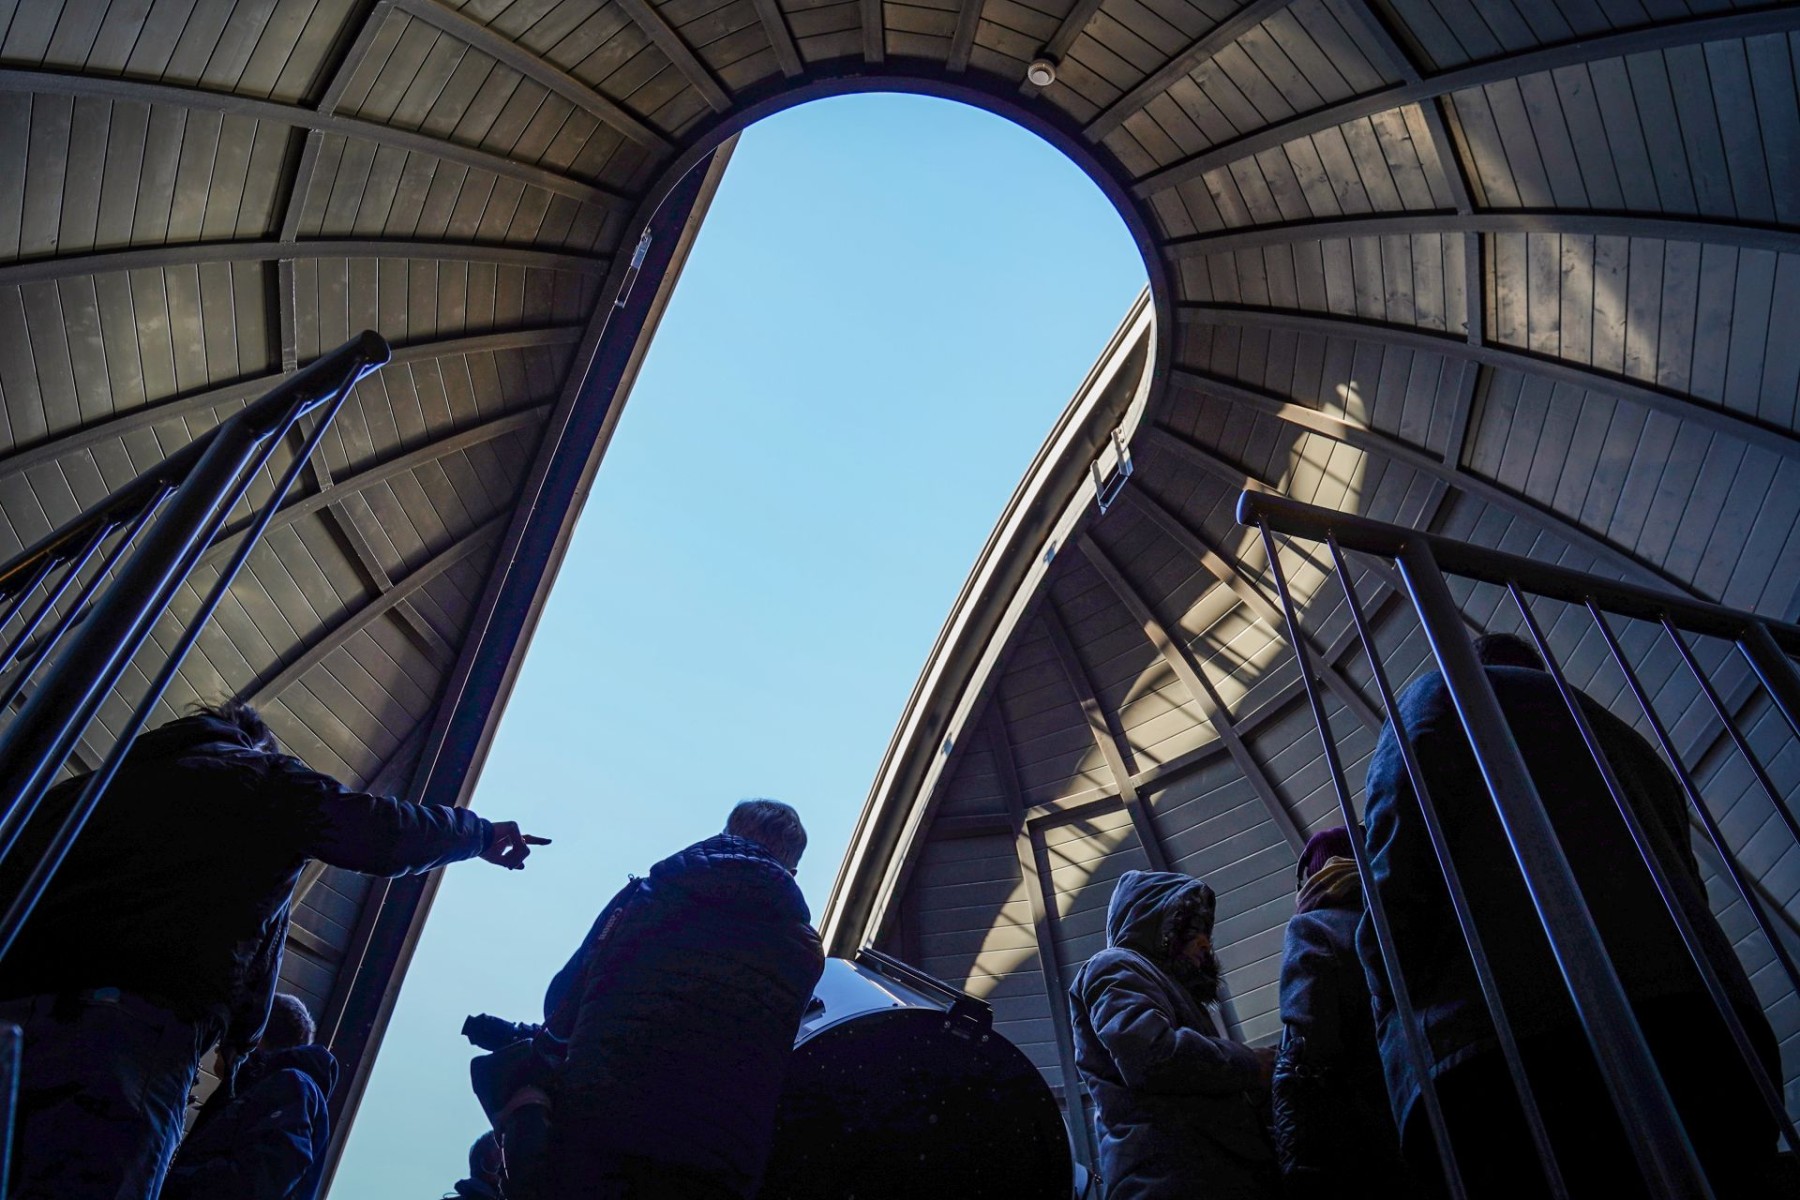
[1179, 1103]
[1711, 1086]
[680, 1011]
[1334, 1130]
[268, 1141]
[162, 934]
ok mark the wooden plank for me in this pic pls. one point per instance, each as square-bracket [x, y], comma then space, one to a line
[1179, 660]
[150, 415]
[541, 70]
[200, 100]
[781, 38]
[1751, 430]
[1741, 24]
[647, 18]
[1100, 726]
[339, 635]
[1206, 46]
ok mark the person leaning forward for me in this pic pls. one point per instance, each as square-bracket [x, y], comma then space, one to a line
[162, 934]
[1179, 1115]
[680, 1010]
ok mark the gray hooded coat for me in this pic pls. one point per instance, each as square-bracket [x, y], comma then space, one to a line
[1176, 1118]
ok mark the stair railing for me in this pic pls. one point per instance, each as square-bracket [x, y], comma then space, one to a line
[1424, 560]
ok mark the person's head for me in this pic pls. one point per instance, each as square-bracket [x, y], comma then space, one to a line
[772, 825]
[1323, 846]
[245, 719]
[1507, 650]
[1189, 948]
[289, 1024]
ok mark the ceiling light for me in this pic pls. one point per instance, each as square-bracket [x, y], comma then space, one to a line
[1042, 71]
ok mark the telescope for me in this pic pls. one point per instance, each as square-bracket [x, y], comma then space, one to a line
[901, 1089]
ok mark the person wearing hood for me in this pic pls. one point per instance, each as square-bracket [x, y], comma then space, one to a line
[266, 1142]
[1334, 1130]
[680, 1011]
[1178, 1103]
[161, 935]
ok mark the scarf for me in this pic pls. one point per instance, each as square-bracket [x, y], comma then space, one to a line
[1334, 885]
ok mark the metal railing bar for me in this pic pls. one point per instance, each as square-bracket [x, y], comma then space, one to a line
[19, 597]
[1698, 806]
[10, 691]
[38, 741]
[1384, 932]
[1459, 896]
[1499, 568]
[1654, 1130]
[1680, 902]
[54, 596]
[1776, 671]
[1732, 731]
[256, 415]
[38, 881]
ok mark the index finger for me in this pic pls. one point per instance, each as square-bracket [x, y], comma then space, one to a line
[530, 840]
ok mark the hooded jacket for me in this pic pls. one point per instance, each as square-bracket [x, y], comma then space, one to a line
[178, 888]
[266, 1143]
[1641, 939]
[1174, 1097]
[681, 1011]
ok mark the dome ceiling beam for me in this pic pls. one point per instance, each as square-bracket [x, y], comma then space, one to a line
[663, 36]
[1176, 656]
[65, 442]
[538, 69]
[140, 258]
[335, 638]
[1747, 23]
[1743, 235]
[1106, 736]
[1213, 563]
[962, 38]
[1681, 406]
[1040, 900]
[781, 38]
[141, 91]
[874, 31]
[393, 468]
[1202, 48]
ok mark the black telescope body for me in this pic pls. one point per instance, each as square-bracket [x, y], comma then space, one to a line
[900, 1088]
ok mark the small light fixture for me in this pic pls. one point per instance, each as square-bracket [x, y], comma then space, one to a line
[1042, 71]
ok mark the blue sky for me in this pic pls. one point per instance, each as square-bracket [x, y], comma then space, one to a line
[872, 337]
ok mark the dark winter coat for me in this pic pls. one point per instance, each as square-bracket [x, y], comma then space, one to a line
[178, 889]
[1334, 1132]
[1640, 937]
[690, 991]
[1176, 1115]
[266, 1143]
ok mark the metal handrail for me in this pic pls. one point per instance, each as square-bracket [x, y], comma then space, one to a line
[1623, 1056]
[191, 494]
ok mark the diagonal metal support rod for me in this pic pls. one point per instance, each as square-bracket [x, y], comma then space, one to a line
[1716, 418]
[1106, 738]
[340, 634]
[1743, 24]
[1195, 547]
[1040, 896]
[146, 416]
[1179, 659]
